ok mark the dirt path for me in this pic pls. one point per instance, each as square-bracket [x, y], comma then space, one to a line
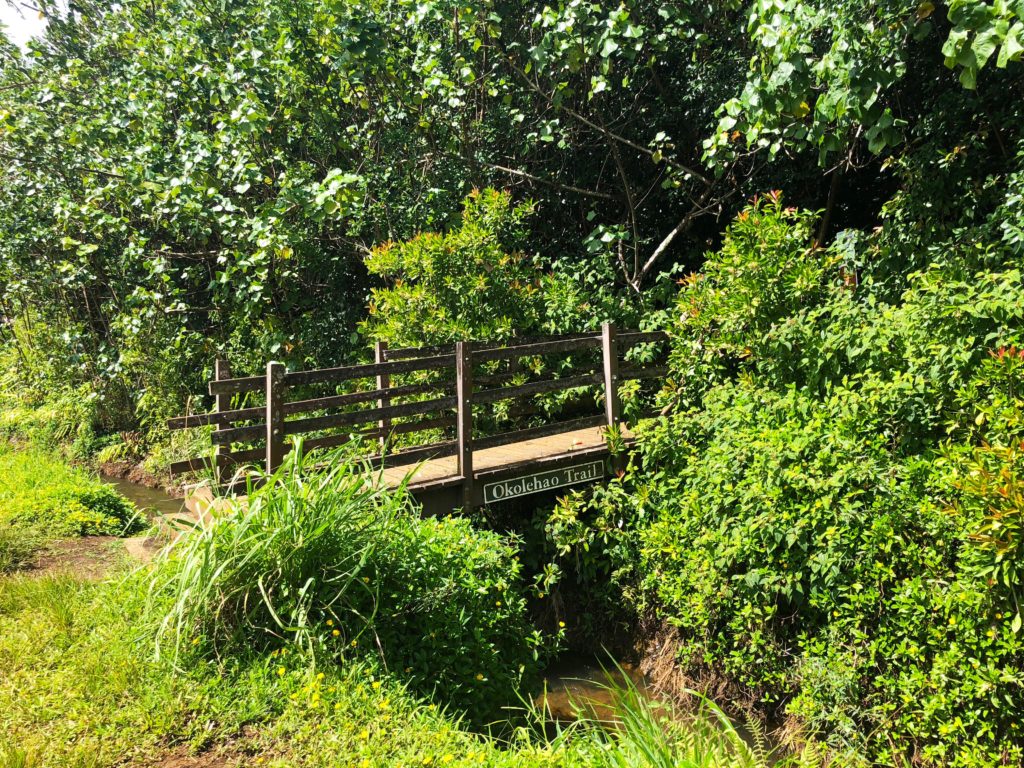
[87, 557]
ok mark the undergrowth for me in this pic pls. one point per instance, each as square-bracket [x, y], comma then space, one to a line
[42, 493]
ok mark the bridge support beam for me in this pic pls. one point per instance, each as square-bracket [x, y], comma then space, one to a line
[275, 415]
[464, 394]
[609, 345]
[221, 370]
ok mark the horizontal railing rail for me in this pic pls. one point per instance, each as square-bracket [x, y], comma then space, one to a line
[443, 405]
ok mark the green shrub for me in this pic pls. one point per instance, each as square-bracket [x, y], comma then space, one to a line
[64, 423]
[41, 492]
[829, 510]
[327, 561]
[470, 283]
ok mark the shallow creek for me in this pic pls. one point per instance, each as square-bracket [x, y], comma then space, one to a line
[575, 687]
[151, 501]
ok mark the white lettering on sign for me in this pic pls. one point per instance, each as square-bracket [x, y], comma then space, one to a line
[543, 481]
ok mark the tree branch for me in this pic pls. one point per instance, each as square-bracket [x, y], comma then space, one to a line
[552, 183]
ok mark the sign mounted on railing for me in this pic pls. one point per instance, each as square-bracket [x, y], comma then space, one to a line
[543, 481]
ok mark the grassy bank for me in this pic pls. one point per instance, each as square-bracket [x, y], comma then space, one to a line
[321, 624]
[43, 499]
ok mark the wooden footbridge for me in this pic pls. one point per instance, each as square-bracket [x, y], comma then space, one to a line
[467, 424]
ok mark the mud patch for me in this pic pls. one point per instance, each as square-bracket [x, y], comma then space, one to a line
[236, 751]
[215, 758]
[89, 557]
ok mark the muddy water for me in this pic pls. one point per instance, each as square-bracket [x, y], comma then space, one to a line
[587, 688]
[584, 687]
[151, 501]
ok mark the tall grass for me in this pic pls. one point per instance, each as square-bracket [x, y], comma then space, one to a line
[324, 559]
[278, 564]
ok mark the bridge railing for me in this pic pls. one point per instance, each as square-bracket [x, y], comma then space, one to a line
[449, 392]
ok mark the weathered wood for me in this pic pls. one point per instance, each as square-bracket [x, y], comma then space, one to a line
[420, 425]
[237, 386]
[367, 371]
[535, 388]
[464, 393]
[505, 438]
[222, 418]
[403, 353]
[351, 398]
[411, 353]
[541, 348]
[275, 415]
[632, 338]
[230, 458]
[416, 455]
[383, 384]
[241, 434]
[492, 380]
[192, 465]
[611, 375]
[521, 449]
[314, 423]
[221, 371]
[304, 406]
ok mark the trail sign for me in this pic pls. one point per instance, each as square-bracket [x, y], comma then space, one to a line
[543, 481]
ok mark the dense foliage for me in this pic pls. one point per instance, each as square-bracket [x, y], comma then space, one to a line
[831, 508]
[828, 510]
[182, 180]
[38, 494]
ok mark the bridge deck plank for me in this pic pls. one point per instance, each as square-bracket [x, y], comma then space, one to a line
[493, 458]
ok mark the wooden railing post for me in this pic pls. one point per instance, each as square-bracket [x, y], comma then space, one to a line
[383, 382]
[221, 370]
[275, 415]
[464, 395]
[611, 375]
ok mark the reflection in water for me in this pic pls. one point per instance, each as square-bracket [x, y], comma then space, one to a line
[151, 501]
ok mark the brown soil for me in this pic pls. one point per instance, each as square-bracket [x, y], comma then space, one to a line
[658, 650]
[88, 557]
[236, 751]
[658, 647]
[180, 758]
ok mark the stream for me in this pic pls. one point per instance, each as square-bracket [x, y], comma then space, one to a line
[151, 501]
